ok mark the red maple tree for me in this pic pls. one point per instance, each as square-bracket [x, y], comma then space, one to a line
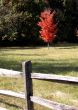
[48, 25]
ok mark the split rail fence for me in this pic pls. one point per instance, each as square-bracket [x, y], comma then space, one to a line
[28, 96]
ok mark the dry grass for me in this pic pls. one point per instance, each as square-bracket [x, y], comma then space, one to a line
[58, 60]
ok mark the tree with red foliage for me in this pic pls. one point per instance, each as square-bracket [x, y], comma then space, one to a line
[48, 25]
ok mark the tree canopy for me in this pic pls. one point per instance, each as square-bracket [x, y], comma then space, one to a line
[19, 18]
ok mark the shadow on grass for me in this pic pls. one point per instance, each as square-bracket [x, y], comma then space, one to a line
[25, 54]
[52, 66]
[10, 105]
[71, 47]
[6, 48]
[65, 45]
[10, 64]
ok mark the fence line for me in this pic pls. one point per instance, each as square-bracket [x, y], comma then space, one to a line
[27, 69]
[28, 95]
[41, 76]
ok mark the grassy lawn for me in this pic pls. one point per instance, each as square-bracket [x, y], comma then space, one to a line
[57, 60]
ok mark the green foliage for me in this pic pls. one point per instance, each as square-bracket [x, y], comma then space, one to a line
[67, 19]
[69, 22]
[20, 22]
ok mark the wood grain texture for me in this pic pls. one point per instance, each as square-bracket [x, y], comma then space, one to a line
[12, 94]
[51, 104]
[56, 78]
[9, 73]
[27, 70]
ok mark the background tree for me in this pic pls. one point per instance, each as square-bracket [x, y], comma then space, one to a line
[48, 26]
[20, 22]
[67, 15]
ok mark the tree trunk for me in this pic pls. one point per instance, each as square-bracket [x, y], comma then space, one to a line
[48, 45]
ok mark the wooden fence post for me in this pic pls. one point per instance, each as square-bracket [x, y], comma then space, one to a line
[27, 70]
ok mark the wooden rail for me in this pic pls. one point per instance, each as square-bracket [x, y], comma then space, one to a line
[2, 108]
[55, 78]
[9, 73]
[12, 93]
[51, 104]
[28, 95]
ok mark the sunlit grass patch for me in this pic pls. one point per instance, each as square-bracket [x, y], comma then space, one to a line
[16, 85]
[62, 93]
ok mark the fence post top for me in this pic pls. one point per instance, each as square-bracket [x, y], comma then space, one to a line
[25, 62]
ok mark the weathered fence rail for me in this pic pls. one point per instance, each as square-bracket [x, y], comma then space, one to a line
[28, 95]
[10, 73]
[12, 93]
[51, 104]
[55, 78]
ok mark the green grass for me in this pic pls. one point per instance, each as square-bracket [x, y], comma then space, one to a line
[57, 60]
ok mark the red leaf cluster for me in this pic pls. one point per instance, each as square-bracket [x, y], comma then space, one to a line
[48, 25]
